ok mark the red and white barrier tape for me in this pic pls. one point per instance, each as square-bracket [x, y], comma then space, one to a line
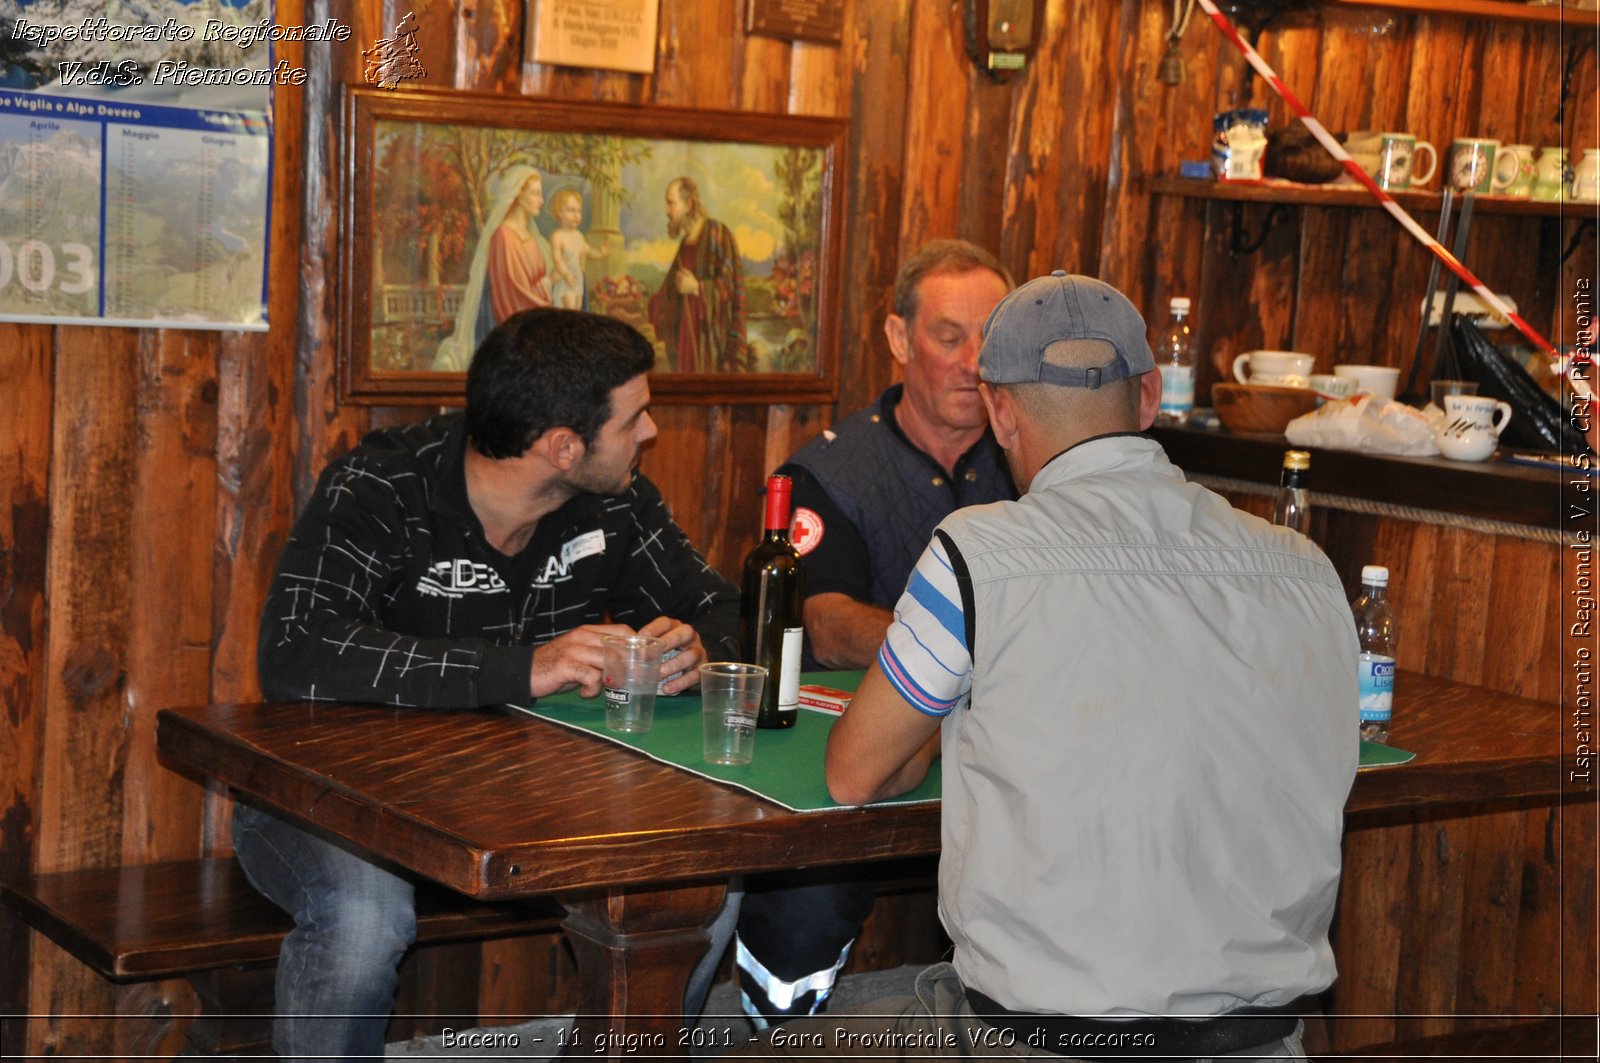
[1567, 365]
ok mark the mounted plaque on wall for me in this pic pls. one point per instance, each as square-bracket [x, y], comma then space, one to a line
[806, 20]
[601, 34]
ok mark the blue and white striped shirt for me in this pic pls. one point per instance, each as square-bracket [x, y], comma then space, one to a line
[925, 653]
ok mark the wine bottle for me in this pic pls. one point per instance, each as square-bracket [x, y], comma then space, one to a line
[770, 627]
[1292, 506]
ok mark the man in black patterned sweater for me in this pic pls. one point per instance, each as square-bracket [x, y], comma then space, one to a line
[470, 560]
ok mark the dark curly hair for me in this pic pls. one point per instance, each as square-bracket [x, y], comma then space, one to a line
[546, 368]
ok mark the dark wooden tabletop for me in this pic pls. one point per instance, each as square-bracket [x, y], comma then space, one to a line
[1473, 747]
[498, 804]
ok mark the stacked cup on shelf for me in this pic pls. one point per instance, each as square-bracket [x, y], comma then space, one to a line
[1482, 165]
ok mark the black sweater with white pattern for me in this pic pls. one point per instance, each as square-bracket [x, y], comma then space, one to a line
[388, 591]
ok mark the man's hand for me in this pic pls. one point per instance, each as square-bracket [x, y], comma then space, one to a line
[844, 632]
[572, 660]
[683, 671]
[688, 283]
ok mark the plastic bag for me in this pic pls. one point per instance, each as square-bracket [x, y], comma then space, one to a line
[1537, 419]
[1238, 143]
[1377, 426]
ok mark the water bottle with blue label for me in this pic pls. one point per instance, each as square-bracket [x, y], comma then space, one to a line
[1379, 635]
[1174, 351]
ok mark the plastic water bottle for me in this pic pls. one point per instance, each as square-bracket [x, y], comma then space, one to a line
[1175, 354]
[1379, 636]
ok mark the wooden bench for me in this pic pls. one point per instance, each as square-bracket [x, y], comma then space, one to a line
[202, 920]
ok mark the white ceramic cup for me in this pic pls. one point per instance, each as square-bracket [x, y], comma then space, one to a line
[1288, 369]
[1550, 174]
[1376, 380]
[1586, 177]
[1469, 431]
[1513, 170]
[1478, 411]
[1330, 386]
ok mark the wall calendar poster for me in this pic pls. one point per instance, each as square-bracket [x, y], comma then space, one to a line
[135, 160]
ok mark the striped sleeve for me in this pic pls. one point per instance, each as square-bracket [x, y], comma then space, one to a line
[925, 653]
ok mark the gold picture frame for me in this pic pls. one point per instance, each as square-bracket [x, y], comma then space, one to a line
[716, 234]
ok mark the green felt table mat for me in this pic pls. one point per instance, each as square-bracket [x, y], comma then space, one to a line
[787, 767]
[1374, 755]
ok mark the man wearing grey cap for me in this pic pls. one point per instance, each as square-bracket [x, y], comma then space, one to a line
[1148, 713]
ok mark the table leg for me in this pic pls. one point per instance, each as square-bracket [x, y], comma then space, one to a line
[635, 950]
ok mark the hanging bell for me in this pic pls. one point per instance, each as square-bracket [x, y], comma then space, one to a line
[1171, 69]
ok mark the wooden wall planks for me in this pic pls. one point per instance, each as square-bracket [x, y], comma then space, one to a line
[27, 379]
[1348, 285]
[148, 479]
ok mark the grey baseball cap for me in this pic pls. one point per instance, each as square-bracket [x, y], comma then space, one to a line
[1060, 307]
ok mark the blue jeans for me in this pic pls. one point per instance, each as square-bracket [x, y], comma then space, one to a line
[338, 968]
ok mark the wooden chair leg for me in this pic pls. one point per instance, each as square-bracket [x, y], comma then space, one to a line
[235, 1013]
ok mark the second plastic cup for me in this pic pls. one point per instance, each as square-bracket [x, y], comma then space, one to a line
[1439, 390]
[730, 697]
[632, 667]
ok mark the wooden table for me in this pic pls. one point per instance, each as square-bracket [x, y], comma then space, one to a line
[499, 805]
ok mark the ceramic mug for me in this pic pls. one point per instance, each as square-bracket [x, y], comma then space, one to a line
[1586, 177]
[1469, 430]
[1513, 170]
[1397, 154]
[1472, 164]
[1550, 174]
[1376, 380]
[1287, 369]
[1478, 410]
[1330, 386]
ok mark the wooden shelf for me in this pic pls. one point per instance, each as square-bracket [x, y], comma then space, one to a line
[1491, 490]
[1419, 203]
[1577, 18]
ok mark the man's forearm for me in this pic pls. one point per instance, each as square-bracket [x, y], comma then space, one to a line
[881, 747]
[844, 632]
[330, 658]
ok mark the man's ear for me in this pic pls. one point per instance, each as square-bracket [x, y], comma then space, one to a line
[894, 327]
[562, 448]
[1002, 414]
[1149, 397]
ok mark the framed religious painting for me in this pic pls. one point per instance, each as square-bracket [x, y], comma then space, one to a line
[715, 234]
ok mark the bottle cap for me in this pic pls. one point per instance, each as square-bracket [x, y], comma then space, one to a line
[1296, 459]
[1377, 575]
[780, 489]
[1180, 302]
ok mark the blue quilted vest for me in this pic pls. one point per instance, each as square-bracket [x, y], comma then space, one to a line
[895, 494]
